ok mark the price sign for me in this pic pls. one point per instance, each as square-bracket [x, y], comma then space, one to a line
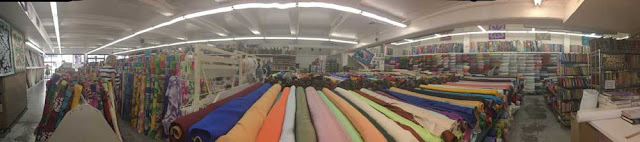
[609, 84]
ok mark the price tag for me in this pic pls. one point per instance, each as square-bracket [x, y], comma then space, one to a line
[609, 84]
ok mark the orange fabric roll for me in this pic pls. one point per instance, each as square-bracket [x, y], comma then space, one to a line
[368, 132]
[272, 125]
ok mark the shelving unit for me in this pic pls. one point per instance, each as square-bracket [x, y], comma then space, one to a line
[616, 65]
[566, 92]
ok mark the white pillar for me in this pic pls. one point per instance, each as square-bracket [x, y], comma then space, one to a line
[467, 43]
[567, 44]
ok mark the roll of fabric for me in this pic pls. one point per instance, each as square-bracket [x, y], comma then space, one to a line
[288, 134]
[475, 91]
[467, 113]
[77, 92]
[272, 125]
[346, 124]
[368, 132]
[423, 133]
[182, 124]
[470, 104]
[379, 127]
[304, 129]
[219, 121]
[327, 126]
[397, 132]
[427, 119]
[173, 103]
[247, 128]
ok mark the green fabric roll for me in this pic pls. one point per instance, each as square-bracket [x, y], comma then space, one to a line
[424, 133]
[374, 122]
[353, 133]
[305, 132]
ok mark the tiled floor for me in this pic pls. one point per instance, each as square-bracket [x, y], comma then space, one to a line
[534, 122]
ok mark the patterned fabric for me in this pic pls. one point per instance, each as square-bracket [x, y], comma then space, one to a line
[6, 58]
[174, 103]
[19, 52]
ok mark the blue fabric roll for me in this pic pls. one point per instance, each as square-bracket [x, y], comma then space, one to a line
[221, 120]
[465, 112]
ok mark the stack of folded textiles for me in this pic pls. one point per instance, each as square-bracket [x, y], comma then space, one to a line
[616, 100]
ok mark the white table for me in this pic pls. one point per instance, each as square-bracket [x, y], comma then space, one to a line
[616, 129]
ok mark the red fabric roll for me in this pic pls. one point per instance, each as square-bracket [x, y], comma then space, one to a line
[185, 122]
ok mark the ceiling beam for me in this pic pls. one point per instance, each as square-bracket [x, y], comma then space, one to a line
[247, 20]
[335, 24]
[213, 27]
[294, 24]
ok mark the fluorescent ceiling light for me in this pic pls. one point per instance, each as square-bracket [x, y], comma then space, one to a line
[208, 12]
[537, 2]
[260, 5]
[265, 5]
[311, 38]
[374, 16]
[247, 38]
[28, 43]
[329, 6]
[343, 41]
[223, 39]
[56, 24]
[290, 38]
[181, 38]
[533, 29]
[485, 32]
[481, 28]
[169, 22]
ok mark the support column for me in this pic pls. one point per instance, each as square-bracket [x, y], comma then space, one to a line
[467, 44]
[567, 44]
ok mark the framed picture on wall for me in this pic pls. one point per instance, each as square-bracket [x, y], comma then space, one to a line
[6, 56]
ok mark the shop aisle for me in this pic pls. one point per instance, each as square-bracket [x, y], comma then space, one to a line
[22, 131]
[535, 122]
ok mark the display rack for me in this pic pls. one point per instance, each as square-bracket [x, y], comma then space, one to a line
[566, 93]
[615, 65]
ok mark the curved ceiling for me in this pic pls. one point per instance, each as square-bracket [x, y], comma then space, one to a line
[87, 25]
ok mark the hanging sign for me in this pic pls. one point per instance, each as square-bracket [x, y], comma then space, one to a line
[497, 28]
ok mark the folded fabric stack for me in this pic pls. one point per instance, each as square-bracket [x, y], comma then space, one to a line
[617, 100]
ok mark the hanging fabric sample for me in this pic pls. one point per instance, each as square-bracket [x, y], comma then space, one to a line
[6, 58]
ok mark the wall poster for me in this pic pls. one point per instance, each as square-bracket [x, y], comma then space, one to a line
[497, 28]
[363, 56]
[6, 63]
[19, 52]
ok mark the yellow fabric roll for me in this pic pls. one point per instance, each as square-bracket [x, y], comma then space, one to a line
[478, 105]
[77, 92]
[247, 128]
[474, 91]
